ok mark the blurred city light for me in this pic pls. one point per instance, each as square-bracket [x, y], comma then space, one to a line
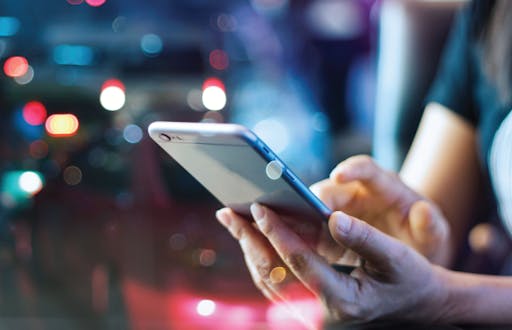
[132, 133]
[26, 78]
[214, 95]
[274, 133]
[207, 257]
[112, 96]
[75, 2]
[30, 182]
[219, 59]
[194, 100]
[277, 274]
[151, 44]
[38, 149]
[34, 113]
[205, 307]
[62, 125]
[72, 175]
[16, 66]
[18, 186]
[227, 23]
[9, 26]
[298, 314]
[95, 3]
[73, 55]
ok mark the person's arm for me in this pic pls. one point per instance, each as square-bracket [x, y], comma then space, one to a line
[477, 299]
[443, 165]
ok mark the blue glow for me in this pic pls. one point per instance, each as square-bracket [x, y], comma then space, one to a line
[28, 131]
[151, 44]
[9, 26]
[73, 55]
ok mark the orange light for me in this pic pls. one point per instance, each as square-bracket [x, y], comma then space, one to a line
[16, 66]
[62, 125]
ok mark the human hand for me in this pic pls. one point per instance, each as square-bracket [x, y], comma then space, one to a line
[359, 187]
[394, 282]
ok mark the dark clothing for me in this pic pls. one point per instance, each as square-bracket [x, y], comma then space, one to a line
[462, 86]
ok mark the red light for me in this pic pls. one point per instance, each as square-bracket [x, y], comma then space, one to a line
[62, 125]
[113, 83]
[16, 66]
[219, 59]
[210, 82]
[34, 113]
[95, 3]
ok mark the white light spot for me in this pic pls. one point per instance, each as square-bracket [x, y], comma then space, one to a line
[274, 170]
[274, 133]
[214, 98]
[205, 307]
[30, 182]
[112, 98]
[132, 134]
[26, 78]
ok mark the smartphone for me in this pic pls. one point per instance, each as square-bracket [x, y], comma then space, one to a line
[236, 167]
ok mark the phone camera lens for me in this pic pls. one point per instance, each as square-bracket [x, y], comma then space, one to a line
[165, 137]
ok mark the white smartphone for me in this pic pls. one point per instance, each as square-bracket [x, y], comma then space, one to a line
[233, 164]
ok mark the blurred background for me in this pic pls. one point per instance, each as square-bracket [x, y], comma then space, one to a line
[100, 229]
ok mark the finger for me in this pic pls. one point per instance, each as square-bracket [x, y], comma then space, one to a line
[264, 265]
[306, 265]
[381, 250]
[427, 223]
[364, 169]
[337, 196]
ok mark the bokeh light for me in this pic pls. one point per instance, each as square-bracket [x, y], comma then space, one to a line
[214, 95]
[112, 96]
[34, 113]
[38, 149]
[227, 23]
[62, 125]
[274, 133]
[30, 182]
[26, 78]
[72, 175]
[205, 307]
[277, 274]
[132, 133]
[219, 59]
[9, 26]
[75, 2]
[194, 100]
[207, 257]
[151, 44]
[95, 3]
[16, 66]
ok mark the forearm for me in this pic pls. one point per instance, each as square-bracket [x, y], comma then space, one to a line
[476, 299]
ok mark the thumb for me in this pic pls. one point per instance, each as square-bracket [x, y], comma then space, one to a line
[368, 242]
[427, 222]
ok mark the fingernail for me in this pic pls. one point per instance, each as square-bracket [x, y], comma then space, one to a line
[258, 213]
[223, 218]
[343, 222]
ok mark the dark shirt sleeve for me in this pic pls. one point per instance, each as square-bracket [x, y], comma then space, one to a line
[452, 86]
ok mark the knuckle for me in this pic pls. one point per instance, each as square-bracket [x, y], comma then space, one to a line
[263, 270]
[298, 261]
